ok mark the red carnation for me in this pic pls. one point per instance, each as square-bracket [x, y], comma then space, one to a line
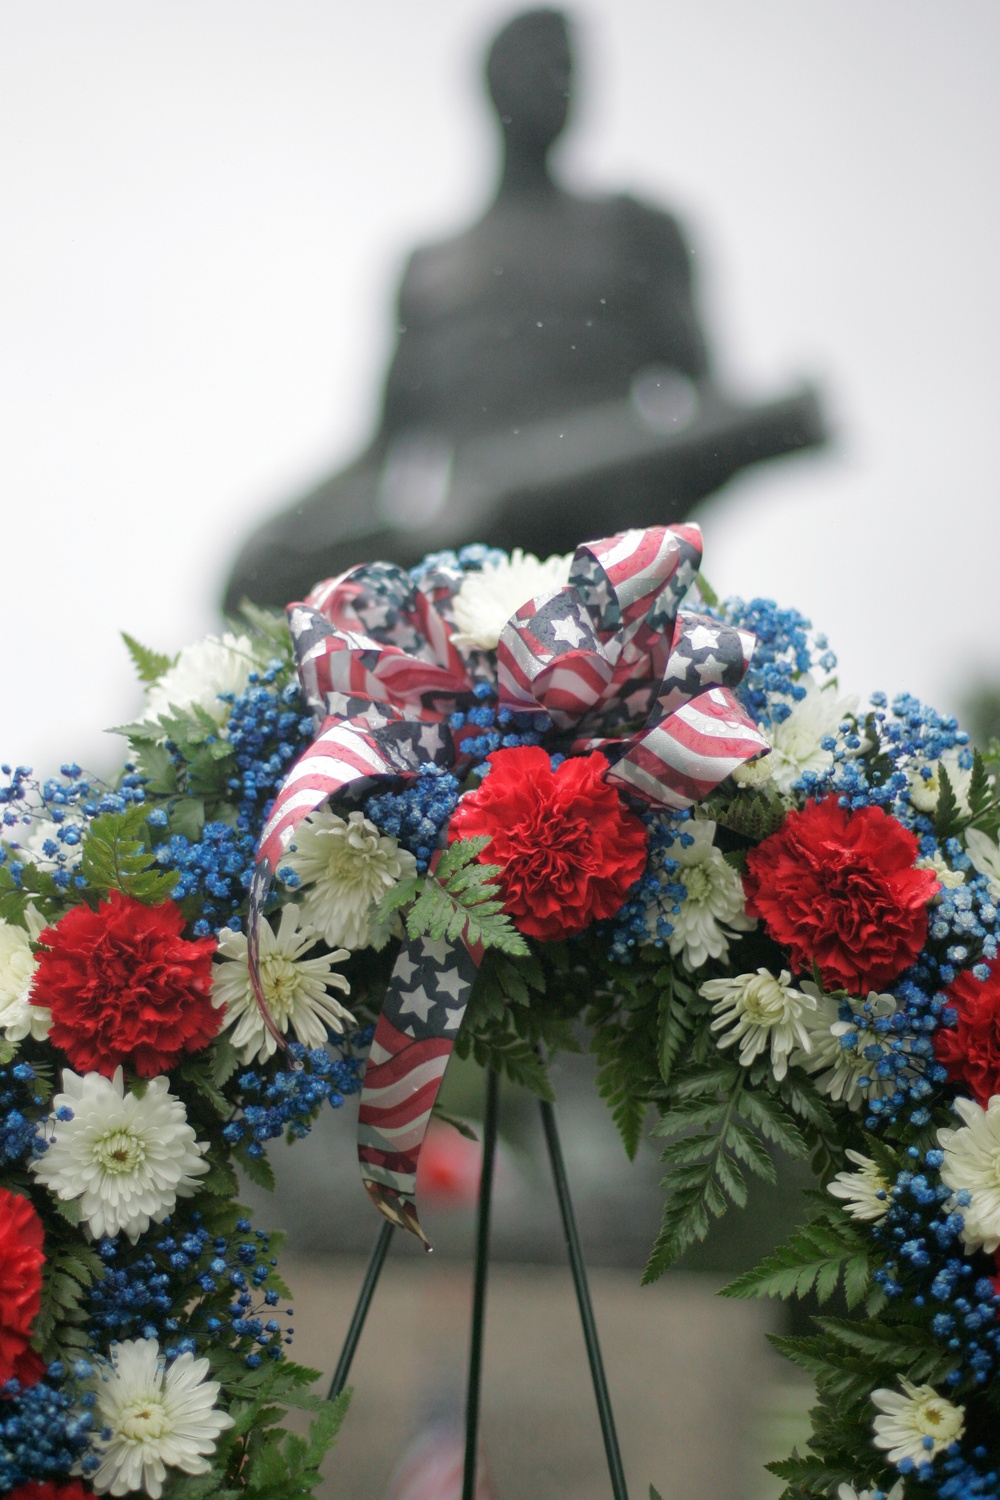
[567, 847]
[838, 889]
[971, 1052]
[21, 1262]
[50, 1489]
[124, 986]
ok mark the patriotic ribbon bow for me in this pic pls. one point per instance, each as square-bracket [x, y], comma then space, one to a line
[382, 673]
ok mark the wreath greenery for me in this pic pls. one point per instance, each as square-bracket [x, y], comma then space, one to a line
[801, 956]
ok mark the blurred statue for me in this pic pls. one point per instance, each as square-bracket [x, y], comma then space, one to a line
[551, 381]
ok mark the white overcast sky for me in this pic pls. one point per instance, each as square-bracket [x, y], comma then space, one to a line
[205, 204]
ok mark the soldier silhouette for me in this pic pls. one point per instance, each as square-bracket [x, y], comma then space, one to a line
[550, 382]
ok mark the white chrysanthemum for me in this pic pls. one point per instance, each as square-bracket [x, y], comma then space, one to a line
[761, 1012]
[797, 742]
[848, 1492]
[919, 1424]
[865, 1192]
[295, 987]
[152, 1418]
[202, 672]
[18, 1017]
[126, 1158]
[949, 879]
[925, 790]
[753, 773]
[714, 900]
[345, 866]
[843, 1053]
[972, 1165]
[489, 597]
[985, 855]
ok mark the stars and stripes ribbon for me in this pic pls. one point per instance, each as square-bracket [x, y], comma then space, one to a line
[613, 662]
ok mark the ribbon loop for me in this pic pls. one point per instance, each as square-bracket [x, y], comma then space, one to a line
[549, 657]
[608, 657]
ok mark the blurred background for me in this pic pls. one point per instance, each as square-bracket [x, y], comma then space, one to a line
[205, 208]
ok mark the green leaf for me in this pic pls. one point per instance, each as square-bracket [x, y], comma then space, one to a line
[812, 1260]
[754, 812]
[713, 1119]
[211, 1486]
[462, 900]
[908, 1349]
[711, 598]
[272, 626]
[980, 787]
[626, 1047]
[257, 1168]
[220, 1180]
[804, 1099]
[675, 1019]
[774, 1123]
[66, 1277]
[68, 1209]
[115, 856]
[948, 818]
[750, 1150]
[35, 886]
[224, 1060]
[201, 1073]
[157, 766]
[187, 817]
[518, 1060]
[462, 1126]
[150, 665]
[383, 919]
[325, 1426]
[811, 1476]
[699, 1190]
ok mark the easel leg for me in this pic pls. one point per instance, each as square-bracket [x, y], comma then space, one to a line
[374, 1271]
[604, 1412]
[479, 1286]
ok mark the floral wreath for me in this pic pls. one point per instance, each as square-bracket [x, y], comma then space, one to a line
[492, 805]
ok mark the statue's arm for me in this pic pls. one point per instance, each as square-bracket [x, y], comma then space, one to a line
[662, 256]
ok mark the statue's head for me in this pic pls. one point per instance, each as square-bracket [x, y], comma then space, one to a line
[529, 70]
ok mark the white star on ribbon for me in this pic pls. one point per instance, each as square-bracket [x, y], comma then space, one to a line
[417, 1001]
[436, 949]
[300, 621]
[430, 739]
[339, 704]
[376, 614]
[637, 702]
[453, 1018]
[677, 666]
[711, 669]
[405, 968]
[703, 635]
[569, 631]
[451, 981]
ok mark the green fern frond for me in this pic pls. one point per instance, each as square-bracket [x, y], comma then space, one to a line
[813, 1260]
[116, 856]
[461, 899]
[149, 665]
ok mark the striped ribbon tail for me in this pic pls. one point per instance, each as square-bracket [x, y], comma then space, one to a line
[422, 1011]
[692, 751]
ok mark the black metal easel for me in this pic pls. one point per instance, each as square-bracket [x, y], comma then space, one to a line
[377, 1260]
